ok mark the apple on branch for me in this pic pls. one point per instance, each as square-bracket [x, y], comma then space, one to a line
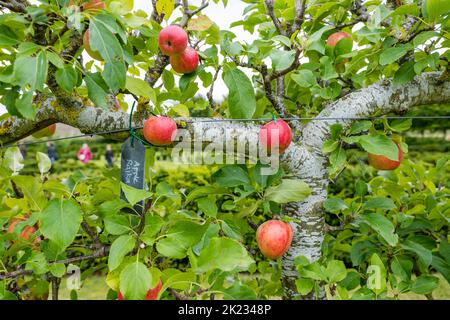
[274, 238]
[27, 232]
[172, 40]
[160, 130]
[275, 136]
[381, 162]
[334, 38]
[186, 62]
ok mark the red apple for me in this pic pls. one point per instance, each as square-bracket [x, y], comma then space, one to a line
[186, 62]
[93, 5]
[275, 136]
[27, 232]
[152, 294]
[334, 38]
[274, 238]
[87, 46]
[172, 40]
[46, 132]
[160, 130]
[380, 162]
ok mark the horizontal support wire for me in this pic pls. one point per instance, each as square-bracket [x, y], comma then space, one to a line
[101, 133]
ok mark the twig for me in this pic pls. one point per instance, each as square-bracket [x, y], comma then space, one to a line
[188, 14]
[271, 13]
[100, 253]
[177, 295]
[209, 95]
[55, 287]
[300, 8]
[15, 6]
[292, 67]
[17, 191]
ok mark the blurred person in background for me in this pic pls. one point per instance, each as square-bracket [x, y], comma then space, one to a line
[109, 156]
[51, 152]
[84, 154]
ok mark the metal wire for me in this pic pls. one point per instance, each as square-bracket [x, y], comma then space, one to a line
[101, 133]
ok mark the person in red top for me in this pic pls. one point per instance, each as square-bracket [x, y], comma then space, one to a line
[84, 154]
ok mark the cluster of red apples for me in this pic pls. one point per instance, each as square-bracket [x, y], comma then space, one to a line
[173, 42]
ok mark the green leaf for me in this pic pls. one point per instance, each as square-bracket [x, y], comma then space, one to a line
[165, 7]
[43, 161]
[335, 271]
[119, 249]
[116, 224]
[283, 40]
[360, 126]
[37, 263]
[241, 98]
[380, 203]
[180, 237]
[327, 69]
[60, 221]
[31, 71]
[434, 9]
[382, 226]
[422, 37]
[380, 145]
[282, 59]
[304, 78]
[423, 253]
[55, 59]
[7, 36]
[13, 159]
[391, 55]
[181, 110]
[134, 195]
[232, 176]
[334, 204]
[135, 281]
[58, 270]
[97, 89]
[401, 125]
[224, 254]
[25, 105]
[67, 78]
[140, 88]
[288, 191]
[337, 158]
[304, 286]
[239, 291]
[425, 284]
[153, 225]
[208, 206]
[376, 280]
[175, 279]
[205, 191]
[344, 46]
[404, 74]
[103, 40]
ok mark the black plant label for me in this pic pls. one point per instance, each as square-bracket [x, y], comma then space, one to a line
[133, 169]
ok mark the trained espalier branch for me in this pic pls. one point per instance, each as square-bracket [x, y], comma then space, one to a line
[304, 159]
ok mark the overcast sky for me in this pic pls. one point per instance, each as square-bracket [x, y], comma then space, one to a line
[222, 16]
